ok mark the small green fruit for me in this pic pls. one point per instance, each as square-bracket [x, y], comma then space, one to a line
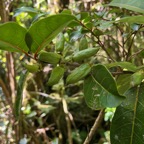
[56, 75]
[49, 57]
[83, 44]
[83, 54]
[32, 67]
[78, 73]
[60, 43]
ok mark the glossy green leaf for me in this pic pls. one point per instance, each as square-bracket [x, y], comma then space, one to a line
[43, 31]
[39, 15]
[128, 122]
[19, 96]
[12, 38]
[100, 89]
[124, 65]
[134, 5]
[29, 10]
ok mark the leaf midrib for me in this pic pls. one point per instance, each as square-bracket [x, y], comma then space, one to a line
[13, 46]
[103, 87]
[47, 38]
[134, 117]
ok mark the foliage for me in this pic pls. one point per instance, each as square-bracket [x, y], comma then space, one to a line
[96, 56]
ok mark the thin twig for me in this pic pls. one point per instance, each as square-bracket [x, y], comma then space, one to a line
[135, 54]
[6, 93]
[98, 40]
[94, 127]
[130, 47]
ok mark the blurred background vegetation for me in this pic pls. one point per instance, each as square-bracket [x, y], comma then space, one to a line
[58, 114]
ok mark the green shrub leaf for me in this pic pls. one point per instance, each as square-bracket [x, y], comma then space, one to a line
[100, 89]
[133, 19]
[29, 10]
[12, 38]
[43, 31]
[127, 124]
[124, 65]
[127, 81]
[134, 5]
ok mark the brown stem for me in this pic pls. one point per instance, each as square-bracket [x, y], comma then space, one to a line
[94, 127]
[135, 54]
[5, 91]
[11, 74]
[3, 11]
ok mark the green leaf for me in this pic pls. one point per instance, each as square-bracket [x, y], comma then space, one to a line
[74, 36]
[133, 19]
[128, 122]
[19, 97]
[92, 93]
[59, 45]
[134, 5]
[127, 81]
[137, 78]
[124, 65]
[38, 16]
[123, 83]
[43, 31]
[29, 10]
[12, 38]
[100, 89]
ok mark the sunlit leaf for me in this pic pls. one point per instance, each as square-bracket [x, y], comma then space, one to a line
[12, 38]
[134, 5]
[128, 122]
[43, 31]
